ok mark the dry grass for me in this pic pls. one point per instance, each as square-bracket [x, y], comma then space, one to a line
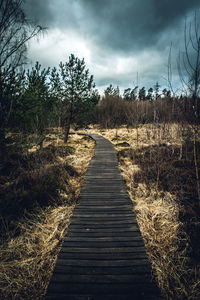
[156, 161]
[27, 261]
[30, 244]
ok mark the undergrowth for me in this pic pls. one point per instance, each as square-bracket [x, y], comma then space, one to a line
[158, 165]
[38, 191]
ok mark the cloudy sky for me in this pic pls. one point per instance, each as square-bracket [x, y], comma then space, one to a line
[124, 42]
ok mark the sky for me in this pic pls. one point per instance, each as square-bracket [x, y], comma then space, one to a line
[124, 42]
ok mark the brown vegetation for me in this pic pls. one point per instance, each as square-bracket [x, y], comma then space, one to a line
[112, 111]
[157, 162]
[39, 190]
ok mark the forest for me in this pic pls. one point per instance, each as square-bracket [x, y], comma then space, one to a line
[155, 132]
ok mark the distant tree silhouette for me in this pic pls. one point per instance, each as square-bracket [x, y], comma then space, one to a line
[129, 94]
[156, 89]
[142, 94]
[112, 91]
[150, 94]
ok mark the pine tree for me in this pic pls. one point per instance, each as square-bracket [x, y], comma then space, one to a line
[77, 87]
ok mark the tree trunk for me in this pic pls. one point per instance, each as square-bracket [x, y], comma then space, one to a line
[2, 148]
[67, 132]
[69, 120]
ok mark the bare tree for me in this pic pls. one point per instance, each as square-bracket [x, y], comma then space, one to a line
[189, 64]
[189, 72]
[15, 31]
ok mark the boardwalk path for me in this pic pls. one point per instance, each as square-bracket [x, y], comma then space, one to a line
[103, 255]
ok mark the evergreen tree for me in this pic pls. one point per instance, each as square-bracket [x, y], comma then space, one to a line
[156, 89]
[112, 91]
[15, 31]
[134, 93]
[129, 94]
[56, 95]
[142, 93]
[35, 107]
[77, 87]
[150, 94]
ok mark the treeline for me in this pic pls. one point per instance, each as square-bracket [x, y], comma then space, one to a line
[113, 111]
[137, 93]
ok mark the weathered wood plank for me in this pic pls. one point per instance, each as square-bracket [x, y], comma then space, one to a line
[103, 239]
[100, 209]
[100, 217]
[112, 230]
[100, 225]
[103, 234]
[101, 244]
[124, 215]
[101, 256]
[143, 269]
[78, 221]
[84, 288]
[136, 278]
[104, 250]
[99, 297]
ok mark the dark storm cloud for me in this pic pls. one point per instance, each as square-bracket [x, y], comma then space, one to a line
[118, 25]
[53, 13]
[119, 38]
[132, 24]
[39, 11]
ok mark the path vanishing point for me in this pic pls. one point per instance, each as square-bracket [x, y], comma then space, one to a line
[103, 255]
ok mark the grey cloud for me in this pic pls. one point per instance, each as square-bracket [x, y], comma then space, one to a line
[116, 25]
[119, 28]
[53, 13]
[39, 11]
[132, 24]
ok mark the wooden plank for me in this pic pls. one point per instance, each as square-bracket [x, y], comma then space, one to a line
[106, 200]
[99, 297]
[103, 212]
[102, 289]
[105, 194]
[105, 250]
[105, 222]
[109, 216]
[107, 206]
[103, 217]
[99, 201]
[101, 244]
[125, 270]
[111, 230]
[103, 187]
[101, 256]
[102, 263]
[104, 239]
[102, 226]
[103, 279]
[103, 234]
[104, 209]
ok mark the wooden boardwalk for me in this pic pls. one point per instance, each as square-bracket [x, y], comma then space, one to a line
[103, 255]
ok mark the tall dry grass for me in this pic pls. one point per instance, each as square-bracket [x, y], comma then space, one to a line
[29, 244]
[157, 163]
